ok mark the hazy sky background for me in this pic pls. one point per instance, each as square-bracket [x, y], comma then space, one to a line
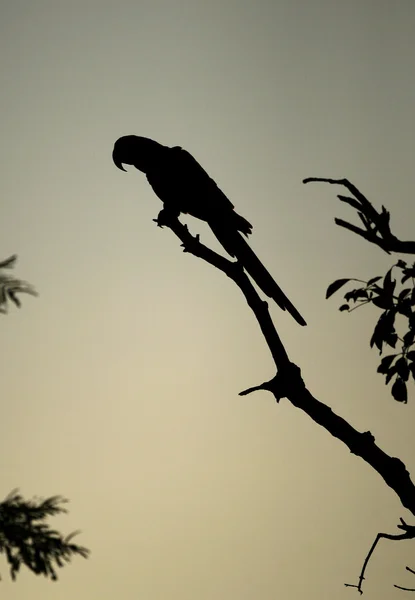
[120, 382]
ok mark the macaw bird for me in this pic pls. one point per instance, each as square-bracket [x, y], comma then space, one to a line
[184, 187]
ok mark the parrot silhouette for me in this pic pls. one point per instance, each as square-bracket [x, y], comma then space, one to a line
[183, 186]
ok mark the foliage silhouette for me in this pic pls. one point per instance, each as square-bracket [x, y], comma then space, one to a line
[10, 286]
[381, 292]
[27, 540]
[395, 327]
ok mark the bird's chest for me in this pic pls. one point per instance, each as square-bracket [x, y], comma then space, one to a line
[173, 188]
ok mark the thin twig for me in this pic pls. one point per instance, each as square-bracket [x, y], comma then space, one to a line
[408, 535]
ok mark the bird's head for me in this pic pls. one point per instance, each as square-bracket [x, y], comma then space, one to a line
[135, 150]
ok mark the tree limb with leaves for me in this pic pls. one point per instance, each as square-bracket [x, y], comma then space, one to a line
[27, 540]
[10, 286]
[393, 293]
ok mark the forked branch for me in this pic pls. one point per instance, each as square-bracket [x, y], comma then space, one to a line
[376, 224]
[408, 535]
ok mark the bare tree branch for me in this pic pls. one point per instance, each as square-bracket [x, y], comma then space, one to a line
[376, 223]
[288, 382]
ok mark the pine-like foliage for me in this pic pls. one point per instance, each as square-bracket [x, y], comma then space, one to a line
[26, 539]
[10, 286]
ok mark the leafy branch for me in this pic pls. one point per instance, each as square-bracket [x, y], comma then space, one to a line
[11, 286]
[395, 306]
[381, 292]
[27, 540]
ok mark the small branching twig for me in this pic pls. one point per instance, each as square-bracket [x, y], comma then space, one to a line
[406, 589]
[408, 535]
[376, 223]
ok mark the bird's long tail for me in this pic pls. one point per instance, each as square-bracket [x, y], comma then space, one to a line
[236, 246]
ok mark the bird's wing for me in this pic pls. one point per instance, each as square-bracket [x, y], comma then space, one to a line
[180, 181]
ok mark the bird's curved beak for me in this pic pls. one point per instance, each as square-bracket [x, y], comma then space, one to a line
[117, 160]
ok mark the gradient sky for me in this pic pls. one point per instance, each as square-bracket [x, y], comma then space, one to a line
[120, 381]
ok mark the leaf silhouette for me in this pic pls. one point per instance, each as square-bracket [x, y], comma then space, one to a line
[336, 285]
[389, 284]
[402, 368]
[399, 391]
[385, 363]
[373, 280]
[390, 374]
[382, 301]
